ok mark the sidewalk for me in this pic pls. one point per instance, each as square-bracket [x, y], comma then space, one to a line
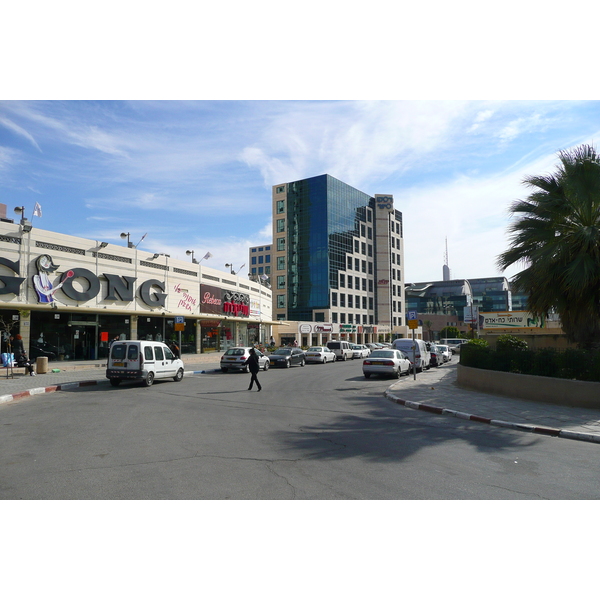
[81, 373]
[436, 391]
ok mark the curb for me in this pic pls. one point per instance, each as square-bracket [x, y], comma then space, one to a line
[550, 431]
[66, 386]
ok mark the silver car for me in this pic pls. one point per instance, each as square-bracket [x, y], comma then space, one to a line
[390, 362]
[320, 354]
[360, 351]
[236, 359]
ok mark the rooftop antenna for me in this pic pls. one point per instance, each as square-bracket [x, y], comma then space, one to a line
[446, 269]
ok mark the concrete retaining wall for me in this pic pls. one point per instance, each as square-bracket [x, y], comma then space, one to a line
[585, 394]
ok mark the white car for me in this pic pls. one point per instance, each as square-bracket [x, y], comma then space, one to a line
[389, 362]
[320, 354]
[446, 352]
[236, 359]
[360, 351]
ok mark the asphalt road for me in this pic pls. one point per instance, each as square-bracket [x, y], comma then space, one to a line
[317, 432]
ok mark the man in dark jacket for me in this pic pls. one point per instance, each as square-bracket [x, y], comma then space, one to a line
[254, 369]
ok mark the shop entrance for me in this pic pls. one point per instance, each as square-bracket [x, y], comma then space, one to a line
[82, 340]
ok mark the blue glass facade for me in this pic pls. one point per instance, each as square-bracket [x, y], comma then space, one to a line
[323, 216]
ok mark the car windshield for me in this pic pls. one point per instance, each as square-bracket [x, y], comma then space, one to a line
[355, 347]
[235, 352]
[383, 354]
[282, 351]
[315, 349]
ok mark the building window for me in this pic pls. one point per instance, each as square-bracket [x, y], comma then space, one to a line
[280, 244]
[370, 303]
[261, 260]
[268, 270]
[280, 225]
[364, 285]
[370, 284]
[333, 298]
[334, 317]
[280, 317]
[254, 260]
[280, 206]
[281, 263]
[362, 230]
[370, 268]
[253, 249]
[350, 281]
[342, 280]
[364, 266]
[280, 189]
[364, 302]
[370, 232]
[363, 248]
[342, 299]
[342, 317]
[356, 246]
[268, 258]
[356, 264]
[281, 301]
[350, 301]
[280, 282]
[350, 318]
[349, 262]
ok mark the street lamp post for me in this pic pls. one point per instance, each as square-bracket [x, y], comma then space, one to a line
[126, 235]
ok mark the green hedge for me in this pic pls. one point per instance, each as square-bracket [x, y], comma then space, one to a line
[583, 365]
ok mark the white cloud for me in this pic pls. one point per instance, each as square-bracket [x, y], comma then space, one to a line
[19, 131]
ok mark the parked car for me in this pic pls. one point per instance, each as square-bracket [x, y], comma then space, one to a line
[360, 351]
[142, 360]
[320, 354]
[416, 347]
[236, 359]
[453, 343]
[341, 348]
[435, 356]
[286, 357]
[393, 363]
[372, 346]
[446, 352]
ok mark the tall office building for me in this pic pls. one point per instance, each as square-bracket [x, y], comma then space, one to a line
[337, 258]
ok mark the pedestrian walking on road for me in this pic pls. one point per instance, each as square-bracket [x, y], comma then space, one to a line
[254, 369]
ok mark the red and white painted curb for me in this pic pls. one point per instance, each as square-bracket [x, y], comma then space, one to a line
[551, 431]
[64, 386]
[47, 389]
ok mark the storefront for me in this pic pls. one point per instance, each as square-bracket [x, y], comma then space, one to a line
[69, 297]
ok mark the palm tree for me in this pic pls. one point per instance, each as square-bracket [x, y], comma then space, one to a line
[557, 238]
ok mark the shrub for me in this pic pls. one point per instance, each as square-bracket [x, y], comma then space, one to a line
[510, 342]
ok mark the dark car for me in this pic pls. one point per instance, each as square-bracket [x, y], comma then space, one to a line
[287, 357]
[437, 358]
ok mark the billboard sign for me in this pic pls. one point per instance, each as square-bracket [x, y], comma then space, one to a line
[511, 320]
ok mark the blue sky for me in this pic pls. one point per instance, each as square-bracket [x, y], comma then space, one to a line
[197, 175]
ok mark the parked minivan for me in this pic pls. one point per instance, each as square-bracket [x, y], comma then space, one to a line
[341, 349]
[143, 360]
[421, 356]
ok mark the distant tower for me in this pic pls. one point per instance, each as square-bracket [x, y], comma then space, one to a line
[446, 269]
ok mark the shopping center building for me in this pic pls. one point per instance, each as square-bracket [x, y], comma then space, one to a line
[69, 297]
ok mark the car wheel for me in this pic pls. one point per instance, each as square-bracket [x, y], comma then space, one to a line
[324, 360]
[345, 357]
[246, 369]
[149, 380]
[115, 381]
[302, 362]
[179, 375]
[287, 364]
[223, 370]
[398, 373]
[266, 367]
[367, 375]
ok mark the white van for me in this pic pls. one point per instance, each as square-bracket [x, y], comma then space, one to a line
[341, 349]
[143, 360]
[422, 357]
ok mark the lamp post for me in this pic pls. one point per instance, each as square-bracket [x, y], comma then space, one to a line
[129, 243]
[188, 252]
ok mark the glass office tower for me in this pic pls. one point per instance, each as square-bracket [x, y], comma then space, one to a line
[326, 266]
